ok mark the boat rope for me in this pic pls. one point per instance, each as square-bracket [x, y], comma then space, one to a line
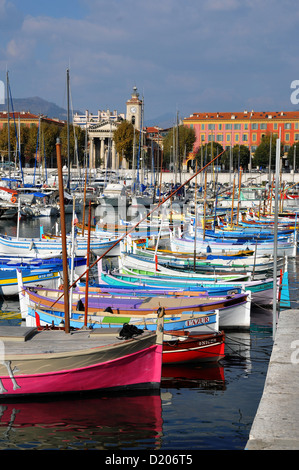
[4, 315]
[249, 347]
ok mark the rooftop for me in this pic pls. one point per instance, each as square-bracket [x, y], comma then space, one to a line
[247, 115]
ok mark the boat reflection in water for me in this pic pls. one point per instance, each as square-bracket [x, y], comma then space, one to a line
[204, 376]
[122, 421]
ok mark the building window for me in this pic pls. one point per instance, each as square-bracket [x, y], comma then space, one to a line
[263, 126]
[203, 127]
[296, 136]
[219, 138]
[254, 126]
[287, 125]
[296, 125]
[220, 127]
[211, 127]
[246, 126]
[254, 137]
[245, 137]
[228, 127]
[287, 136]
[236, 137]
[202, 137]
[275, 126]
[237, 126]
[228, 137]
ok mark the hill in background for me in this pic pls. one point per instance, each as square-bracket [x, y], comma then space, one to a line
[38, 106]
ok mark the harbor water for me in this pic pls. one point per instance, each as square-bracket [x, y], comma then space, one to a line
[196, 408]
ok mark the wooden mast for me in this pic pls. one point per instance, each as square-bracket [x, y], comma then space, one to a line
[204, 207]
[63, 238]
[233, 200]
[239, 194]
[87, 267]
[195, 221]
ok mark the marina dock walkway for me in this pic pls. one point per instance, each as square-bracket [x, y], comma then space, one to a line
[276, 424]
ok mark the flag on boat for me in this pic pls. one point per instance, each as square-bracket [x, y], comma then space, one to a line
[75, 219]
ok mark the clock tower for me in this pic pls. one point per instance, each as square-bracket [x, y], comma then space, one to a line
[134, 109]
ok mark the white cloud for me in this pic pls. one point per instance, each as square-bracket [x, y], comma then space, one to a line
[169, 48]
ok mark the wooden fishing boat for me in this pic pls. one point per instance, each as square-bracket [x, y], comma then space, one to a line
[42, 272]
[252, 219]
[234, 310]
[31, 277]
[204, 322]
[142, 243]
[258, 264]
[142, 266]
[186, 245]
[181, 347]
[47, 247]
[147, 291]
[50, 362]
[261, 290]
[125, 305]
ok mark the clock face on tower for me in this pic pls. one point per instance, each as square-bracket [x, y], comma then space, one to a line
[133, 109]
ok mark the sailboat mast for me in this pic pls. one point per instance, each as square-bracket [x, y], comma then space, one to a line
[8, 123]
[274, 308]
[87, 267]
[63, 239]
[68, 126]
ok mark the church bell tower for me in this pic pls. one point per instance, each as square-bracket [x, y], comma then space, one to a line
[134, 109]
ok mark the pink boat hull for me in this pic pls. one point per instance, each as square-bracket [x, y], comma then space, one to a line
[140, 370]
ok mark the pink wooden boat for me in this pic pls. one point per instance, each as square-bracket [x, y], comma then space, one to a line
[50, 362]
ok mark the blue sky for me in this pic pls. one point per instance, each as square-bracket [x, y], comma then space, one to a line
[183, 56]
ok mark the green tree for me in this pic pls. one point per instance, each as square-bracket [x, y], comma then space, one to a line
[77, 136]
[4, 141]
[240, 157]
[31, 146]
[123, 137]
[48, 136]
[207, 152]
[181, 138]
[294, 151]
[262, 154]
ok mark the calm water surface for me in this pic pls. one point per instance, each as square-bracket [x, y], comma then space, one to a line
[197, 408]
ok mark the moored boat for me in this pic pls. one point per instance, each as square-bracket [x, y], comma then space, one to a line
[180, 347]
[52, 246]
[50, 362]
[261, 290]
[205, 322]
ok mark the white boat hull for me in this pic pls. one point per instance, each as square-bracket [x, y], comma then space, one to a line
[39, 247]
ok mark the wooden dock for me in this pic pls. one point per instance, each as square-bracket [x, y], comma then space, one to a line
[276, 424]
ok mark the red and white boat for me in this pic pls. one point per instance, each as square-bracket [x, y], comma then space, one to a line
[184, 347]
